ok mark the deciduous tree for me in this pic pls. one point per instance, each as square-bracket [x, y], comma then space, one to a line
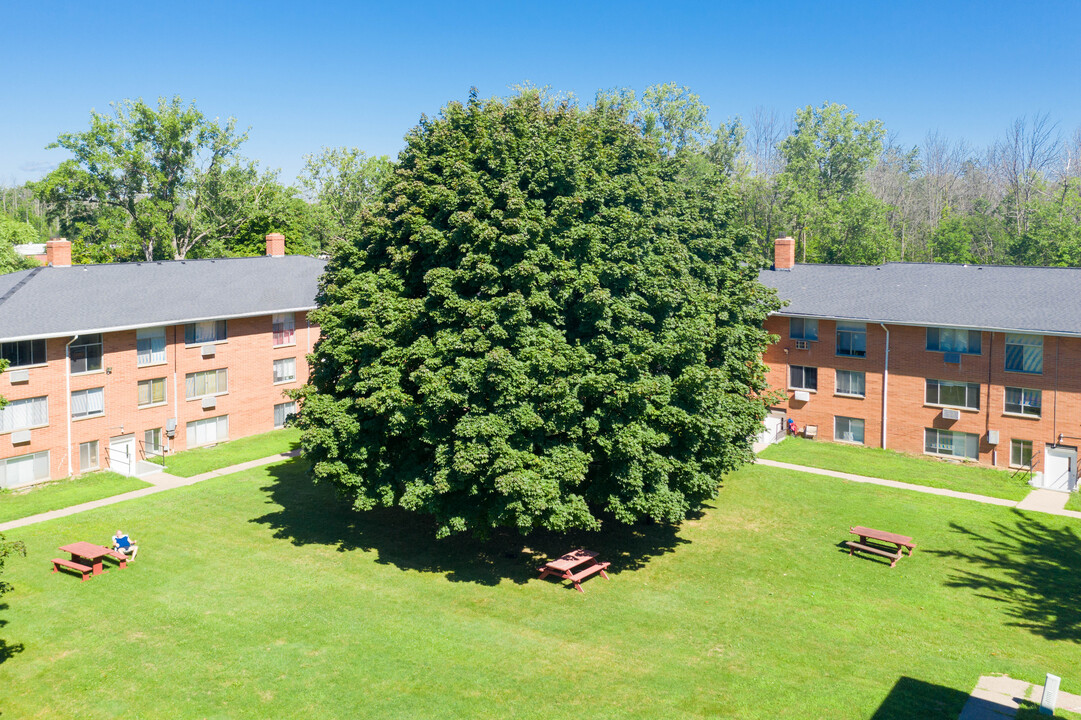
[544, 322]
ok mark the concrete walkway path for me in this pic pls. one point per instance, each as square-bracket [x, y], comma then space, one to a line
[159, 482]
[999, 696]
[1037, 500]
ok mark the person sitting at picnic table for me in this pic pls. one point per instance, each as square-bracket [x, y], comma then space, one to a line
[123, 544]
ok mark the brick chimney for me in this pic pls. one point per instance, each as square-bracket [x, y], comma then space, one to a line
[58, 252]
[275, 245]
[784, 253]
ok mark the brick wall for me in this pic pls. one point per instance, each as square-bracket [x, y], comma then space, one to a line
[247, 353]
[910, 365]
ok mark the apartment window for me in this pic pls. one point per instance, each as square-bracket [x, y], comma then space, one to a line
[23, 353]
[208, 431]
[1023, 401]
[952, 443]
[23, 414]
[285, 370]
[210, 382]
[851, 339]
[87, 403]
[1024, 353]
[953, 394]
[802, 329]
[201, 333]
[85, 353]
[24, 470]
[150, 346]
[802, 378]
[284, 325]
[283, 411]
[1020, 453]
[955, 340]
[152, 442]
[851, 382]
[848, 429]
[151, 392]
[88, 456]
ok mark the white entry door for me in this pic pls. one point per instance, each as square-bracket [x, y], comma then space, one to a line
[122, 454]
[1059, 468]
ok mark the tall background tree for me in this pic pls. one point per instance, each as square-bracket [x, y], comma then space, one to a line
[154, 182]
[548, 320]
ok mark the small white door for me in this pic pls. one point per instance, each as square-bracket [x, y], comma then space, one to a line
[122, 454]
[1059, 468]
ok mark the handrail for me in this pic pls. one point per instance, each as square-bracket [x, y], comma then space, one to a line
[1028, 469]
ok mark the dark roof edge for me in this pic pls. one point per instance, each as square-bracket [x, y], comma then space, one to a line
[177, 321]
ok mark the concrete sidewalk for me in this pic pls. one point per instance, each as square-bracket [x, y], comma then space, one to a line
[1038, 500]
[159, 482]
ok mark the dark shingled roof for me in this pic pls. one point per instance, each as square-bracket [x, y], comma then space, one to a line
[990, 297]
[62, 301]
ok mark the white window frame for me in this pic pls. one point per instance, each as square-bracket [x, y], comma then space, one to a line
[155, 450]
[192, 379]
[153, 340]
[84, 467]
[194, 425]
[966, 437]
[36, 348]
[40, 468]
[285, 326]
[286, 409]
[100, 344]
[152, 403]
[837, 383]
[971, 389]
[837, 433]
[284, 362]
[38, 407]
[220, 334]
[854, 330]
[88, 393]
[1025, 394]
[953, 338]
[1031, 352]
[803, 378]
[1015, 443]
[805, 325]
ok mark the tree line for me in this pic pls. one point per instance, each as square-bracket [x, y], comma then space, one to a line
[164, 181]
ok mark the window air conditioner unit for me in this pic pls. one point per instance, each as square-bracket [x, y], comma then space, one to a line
[18, 376]
[954, 358]
[951, 414]
[208, 350]
[992, 437]
[802, 345]
[170, 427]
[20, 437]
[801, 396]
[209, 403]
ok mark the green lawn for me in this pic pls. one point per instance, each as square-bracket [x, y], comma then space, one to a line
[65, 493]
[1074, 502]
[257, 595]
[876, 462]
[201, 460]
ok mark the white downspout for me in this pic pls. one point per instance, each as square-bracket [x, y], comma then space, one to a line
[67, 400]
[885, 383]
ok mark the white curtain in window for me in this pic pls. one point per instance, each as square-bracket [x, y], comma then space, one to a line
[150, 344]
[20, 414]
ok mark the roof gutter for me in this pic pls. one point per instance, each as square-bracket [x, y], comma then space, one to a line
[159, 323]
[67, 386]
[885, 383]
[913, 323]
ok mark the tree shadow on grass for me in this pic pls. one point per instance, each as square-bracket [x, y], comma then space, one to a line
[8, 650]
[311, 514]
[1032, 569]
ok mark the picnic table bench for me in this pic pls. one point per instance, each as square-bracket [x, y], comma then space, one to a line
[86, 559]
[899, 542]
[72, 565]
[565, 565]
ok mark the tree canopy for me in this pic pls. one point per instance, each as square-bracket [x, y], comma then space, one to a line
[545, 321]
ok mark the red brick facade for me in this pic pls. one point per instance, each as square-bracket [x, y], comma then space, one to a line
[910, 366]
[248, 354]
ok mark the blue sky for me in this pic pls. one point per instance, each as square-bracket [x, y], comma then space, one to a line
[304, 75]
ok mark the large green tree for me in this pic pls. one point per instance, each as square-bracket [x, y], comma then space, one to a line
[340, 183]
[14, 232]
[154, 182]
[544, 322]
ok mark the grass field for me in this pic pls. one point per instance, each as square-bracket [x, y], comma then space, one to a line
[65, 493]
[876, 462]
[200, 460]
[1074, 502]
[257, 595]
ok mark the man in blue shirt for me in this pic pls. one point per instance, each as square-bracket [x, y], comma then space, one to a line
[123, 544]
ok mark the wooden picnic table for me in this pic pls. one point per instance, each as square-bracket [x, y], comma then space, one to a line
[86, 558]
[565, 565]
[900, 543]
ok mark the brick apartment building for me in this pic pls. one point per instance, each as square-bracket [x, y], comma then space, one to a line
[112, 364]
[958, 361]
